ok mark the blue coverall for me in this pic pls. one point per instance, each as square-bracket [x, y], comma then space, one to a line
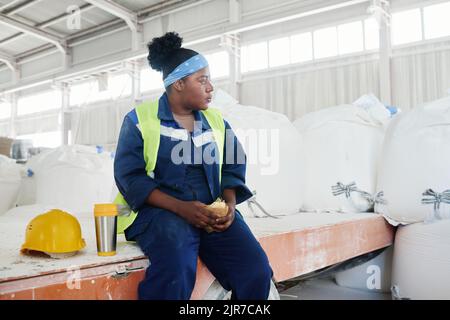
[172, 245]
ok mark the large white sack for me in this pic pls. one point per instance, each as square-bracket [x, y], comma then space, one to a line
[341, 146]
[421, 263]
[73, 177]
[373, 275]
[26, 213]
[27, 191]
[5, 159]
[272, 155]
[416, 158]
[9, 183]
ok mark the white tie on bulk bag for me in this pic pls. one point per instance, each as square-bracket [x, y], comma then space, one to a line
[373, 275]
[421, 263]
[73, 177]
[9, 183]
[339, 156]
[414, 173]
[272, 146]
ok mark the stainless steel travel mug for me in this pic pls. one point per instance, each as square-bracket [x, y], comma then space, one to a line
[106, 228]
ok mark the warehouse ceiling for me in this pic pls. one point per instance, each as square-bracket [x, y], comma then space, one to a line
[29, 27]
[51, 41]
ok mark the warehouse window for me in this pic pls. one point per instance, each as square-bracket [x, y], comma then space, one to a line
[406, 27]
[5, 110]
[279, 52]
[151, 80]
[350, 37]
[371, 34]
[325, 43]
[437, 20]
[43, 101]
[119, 86]
[45, 139]
[219, 64]
[83, 93]
[107, 87]
[301, 47]
[254, 57]
[110, 87]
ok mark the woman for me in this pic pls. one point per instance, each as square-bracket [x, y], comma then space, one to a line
[171, 192]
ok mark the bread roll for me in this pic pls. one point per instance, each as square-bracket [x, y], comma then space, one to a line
[220, 209]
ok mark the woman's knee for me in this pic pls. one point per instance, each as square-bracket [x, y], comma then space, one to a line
[260, 266]
[262, 272]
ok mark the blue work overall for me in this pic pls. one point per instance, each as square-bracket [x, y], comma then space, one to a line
[172, 245]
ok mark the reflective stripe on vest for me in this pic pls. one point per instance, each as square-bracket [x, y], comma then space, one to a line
[150, 124]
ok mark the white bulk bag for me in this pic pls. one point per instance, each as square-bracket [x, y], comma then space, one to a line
[27, 192]
[73, 177]
[9, 183]
[421, 263]
[414, 172]
[26, 213]
[5, 159]
[340, 151]
[272, 146]
[373, 275]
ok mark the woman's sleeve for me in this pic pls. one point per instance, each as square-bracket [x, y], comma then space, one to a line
[129, 166]
[234, 166]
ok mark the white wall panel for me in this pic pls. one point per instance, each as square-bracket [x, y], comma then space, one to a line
[102, 47]
[5, 75]
[151, 29]
[37, 123]
[199, 16]
[297, 93]
[45, 65]
[421, 77]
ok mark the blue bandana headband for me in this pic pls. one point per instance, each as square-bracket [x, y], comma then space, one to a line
[187, 68]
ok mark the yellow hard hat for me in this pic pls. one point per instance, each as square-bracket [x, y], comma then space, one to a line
[55, 231]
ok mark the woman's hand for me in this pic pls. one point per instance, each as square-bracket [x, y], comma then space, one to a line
[223, 223]
[196, 213]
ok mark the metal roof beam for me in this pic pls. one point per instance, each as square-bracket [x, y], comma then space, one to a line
[9, 60]
[47, 23]
[9, 4]
[130, 17]
[60, 43]
[20, 7]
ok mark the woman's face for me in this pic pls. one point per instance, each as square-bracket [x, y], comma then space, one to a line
[197, 91]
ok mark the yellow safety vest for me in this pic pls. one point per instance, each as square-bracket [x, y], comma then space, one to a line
[150, 125]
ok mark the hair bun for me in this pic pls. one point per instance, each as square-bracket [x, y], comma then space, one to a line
[161, 48]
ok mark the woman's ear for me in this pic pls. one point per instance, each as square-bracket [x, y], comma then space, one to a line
[178, 85]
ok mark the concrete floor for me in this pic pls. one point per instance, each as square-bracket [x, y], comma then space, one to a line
[327, 289]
